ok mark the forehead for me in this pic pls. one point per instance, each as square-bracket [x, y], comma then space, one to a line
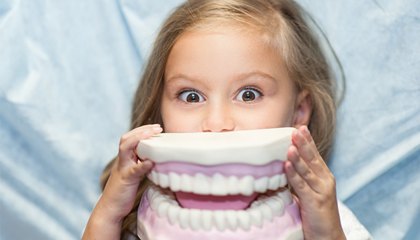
[224, 51]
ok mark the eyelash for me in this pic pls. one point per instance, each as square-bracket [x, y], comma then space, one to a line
[253, 89]
[201, 98]
[180, 93]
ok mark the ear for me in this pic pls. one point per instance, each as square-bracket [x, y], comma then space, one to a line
[303, 109]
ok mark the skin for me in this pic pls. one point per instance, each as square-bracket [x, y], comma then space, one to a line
[227, 80]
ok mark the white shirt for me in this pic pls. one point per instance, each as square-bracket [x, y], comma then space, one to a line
[352, 228]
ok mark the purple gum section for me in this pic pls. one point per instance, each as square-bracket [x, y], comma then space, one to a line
[230, 169]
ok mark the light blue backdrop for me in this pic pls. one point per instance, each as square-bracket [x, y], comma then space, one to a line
[68, 71]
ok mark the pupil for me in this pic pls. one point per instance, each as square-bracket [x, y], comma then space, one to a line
[248, 96]
[192, 97]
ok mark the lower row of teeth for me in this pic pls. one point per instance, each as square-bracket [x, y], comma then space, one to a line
[263, 209]
[217, 184]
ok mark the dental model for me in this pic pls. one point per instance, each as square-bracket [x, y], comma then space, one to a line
[228, 185]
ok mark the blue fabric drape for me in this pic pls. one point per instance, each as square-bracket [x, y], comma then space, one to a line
[68, 71]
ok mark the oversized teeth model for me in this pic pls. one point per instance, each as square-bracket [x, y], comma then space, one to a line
[226, 185]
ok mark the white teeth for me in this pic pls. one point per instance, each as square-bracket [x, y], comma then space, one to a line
[256, 216]
[173, 214]
[260, 184]
[206, 219]
[276, 207]
[244, 220]
[232, 220]
[266, 211]
[232, 185]
[263, 209]
[183, 218]
[186, 183]
[154, 176]
[163, 209]
[163, 180]
[219, 219]
[174, 181]
[244, 185]
[275, 181]
[217, 184]
[285, 196]
[195, 217]
[201, 184]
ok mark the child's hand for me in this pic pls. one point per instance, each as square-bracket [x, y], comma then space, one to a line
[128, 171]
[314, 186]
[120, 191]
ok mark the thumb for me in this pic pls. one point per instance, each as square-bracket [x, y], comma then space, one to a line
[140, 169]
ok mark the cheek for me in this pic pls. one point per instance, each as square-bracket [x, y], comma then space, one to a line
[270, 116]
[169, 117]
[286, 116]
[175, 120]
[283, 110]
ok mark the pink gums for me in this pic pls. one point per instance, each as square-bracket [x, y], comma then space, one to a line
[229, 169]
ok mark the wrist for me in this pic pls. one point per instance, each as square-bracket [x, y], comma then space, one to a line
[338, 235]
[102, 227]
[102, 223]
[332, 234]
[107, 212]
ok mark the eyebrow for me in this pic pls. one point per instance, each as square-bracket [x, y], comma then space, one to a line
[241, 76]
[247, 75]
[182, 76]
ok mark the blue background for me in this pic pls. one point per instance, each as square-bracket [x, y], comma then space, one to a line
[68, 71]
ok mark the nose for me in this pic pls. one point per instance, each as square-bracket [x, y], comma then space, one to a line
[218, 119]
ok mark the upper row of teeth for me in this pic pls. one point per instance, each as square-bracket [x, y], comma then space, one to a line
[217, 184]
[264, 209]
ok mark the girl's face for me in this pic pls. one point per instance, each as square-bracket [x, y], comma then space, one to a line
[227, 80]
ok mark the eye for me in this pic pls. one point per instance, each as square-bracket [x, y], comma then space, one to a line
[248, 95]
[190, 96]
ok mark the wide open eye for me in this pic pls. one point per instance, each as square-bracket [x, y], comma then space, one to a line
[190, 96]
[248, 95]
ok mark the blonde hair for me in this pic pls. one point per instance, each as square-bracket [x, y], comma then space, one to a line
[282, 23]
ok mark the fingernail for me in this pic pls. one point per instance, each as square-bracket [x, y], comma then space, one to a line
[301, 138]
[295, 136]
[306, 129]
[299, 133]
[157, 128]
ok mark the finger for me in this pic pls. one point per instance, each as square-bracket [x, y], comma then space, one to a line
[298, 184]
[305, 172]
[299, 165]
[306, 147]
[141, 168]
[128, 145]
[130, 176]
[150, 127]
[129, 142]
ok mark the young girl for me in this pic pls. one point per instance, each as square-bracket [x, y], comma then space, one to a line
[227, 65]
